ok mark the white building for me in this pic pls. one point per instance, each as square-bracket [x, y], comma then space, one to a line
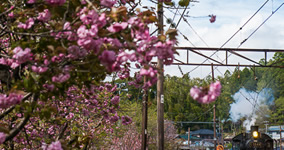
[274, 132]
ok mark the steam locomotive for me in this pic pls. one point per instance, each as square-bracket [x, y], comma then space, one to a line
[252, 141]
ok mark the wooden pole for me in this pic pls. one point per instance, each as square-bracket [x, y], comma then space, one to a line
[160, 91]
[144, 116]
[214, 110]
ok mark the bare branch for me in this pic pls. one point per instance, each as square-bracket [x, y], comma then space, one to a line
[92, 5]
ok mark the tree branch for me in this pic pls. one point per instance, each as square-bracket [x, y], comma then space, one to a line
[62, 131]
[13, 107]
[7, 11]
[21, 125]
[92, 5]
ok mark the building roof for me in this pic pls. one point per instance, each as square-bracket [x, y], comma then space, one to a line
[275, 128]
[185, 137]
[202, 132]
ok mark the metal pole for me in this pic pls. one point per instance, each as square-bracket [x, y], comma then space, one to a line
[214, 110]
[144, 117]
[160, 92]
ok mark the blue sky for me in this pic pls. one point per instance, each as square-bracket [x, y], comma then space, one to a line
[231, 15]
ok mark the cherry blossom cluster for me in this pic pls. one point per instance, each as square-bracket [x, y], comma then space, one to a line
[129, 139]
[126, 120]
[206, 95]
[87, 44]
[12, 99]
[2, 137]
[42, 16]
[212, 18]
[50, 2]
[88, 106]
[4, 42]
[53, 146]
[55, 2]
[20, 56]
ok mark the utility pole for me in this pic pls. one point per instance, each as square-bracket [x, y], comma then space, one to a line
[214, 110]
[280, 138]
[160, 90]
[222, 137]
[266, 123]
[144, 116]
[188, 138]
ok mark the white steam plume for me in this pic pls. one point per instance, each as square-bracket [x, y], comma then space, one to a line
[247, 103]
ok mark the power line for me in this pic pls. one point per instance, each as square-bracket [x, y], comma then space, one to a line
[189, 40]
[233, 34]
[273, 12]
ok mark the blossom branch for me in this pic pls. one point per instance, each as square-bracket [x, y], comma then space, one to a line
[13, 107]
[21, 125]
[7, 11]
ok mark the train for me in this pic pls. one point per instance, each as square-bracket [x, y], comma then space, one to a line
[254, 140]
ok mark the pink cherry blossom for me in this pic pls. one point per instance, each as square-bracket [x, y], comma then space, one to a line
[39, 69]
[102, 20]
[206, 95]
[90, 44]
[88, 18]
[82, 31]
[31, 1]
[54, 146]
[93, 31]
[55, 2]
[60, 78]
[114, 118]
[2, 137]
[122, 57]
[150, 72]
[117, 27]
[27, 25]
[212, 19]
[49, 87]
[75, 52]
[12, 99]
[126, 120]
[83, 2]
[44, 16]
[21, 55]
[11, 15]
[108, 3]
[195, 92]
[107, 58]
[115, 100]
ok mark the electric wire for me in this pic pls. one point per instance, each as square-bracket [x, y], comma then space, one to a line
[243, 41]
[233, 34]
[189, 40]
[255, 99]
[251, 34]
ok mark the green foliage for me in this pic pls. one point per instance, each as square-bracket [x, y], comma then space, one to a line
[184, 3]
